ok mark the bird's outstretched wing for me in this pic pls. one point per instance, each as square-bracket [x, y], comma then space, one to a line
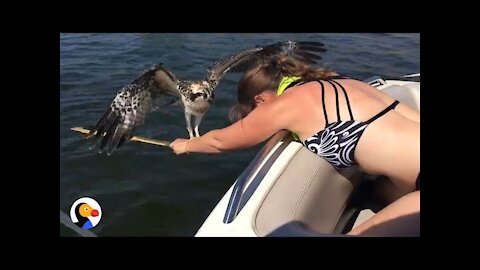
[305, 51]
[130, 107]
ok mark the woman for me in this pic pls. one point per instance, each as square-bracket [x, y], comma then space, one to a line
[345, 121]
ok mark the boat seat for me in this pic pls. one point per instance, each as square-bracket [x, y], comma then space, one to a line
[408, 94]
[363, 216]
[310, 191]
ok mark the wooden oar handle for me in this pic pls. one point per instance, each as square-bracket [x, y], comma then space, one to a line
[134, 138]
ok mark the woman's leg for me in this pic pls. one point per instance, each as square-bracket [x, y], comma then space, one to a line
[401, 218]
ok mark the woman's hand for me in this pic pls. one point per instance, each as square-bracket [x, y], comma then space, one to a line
[179, 146]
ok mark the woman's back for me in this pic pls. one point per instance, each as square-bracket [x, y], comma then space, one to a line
[389, 145]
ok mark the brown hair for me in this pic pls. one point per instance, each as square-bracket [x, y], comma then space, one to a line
[267, 77]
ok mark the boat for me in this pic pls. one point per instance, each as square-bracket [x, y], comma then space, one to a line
[288, 191]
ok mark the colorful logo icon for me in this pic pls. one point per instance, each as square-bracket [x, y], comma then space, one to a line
[85, 213]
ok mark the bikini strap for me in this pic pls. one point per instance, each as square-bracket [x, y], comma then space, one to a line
[295, 83]
[323, 102]
[336, 100]
[391, 107]
[346, 98]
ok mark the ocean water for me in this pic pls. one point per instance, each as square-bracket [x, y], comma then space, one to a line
[147, 190]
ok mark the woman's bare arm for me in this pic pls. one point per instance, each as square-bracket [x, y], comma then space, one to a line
[259, 125]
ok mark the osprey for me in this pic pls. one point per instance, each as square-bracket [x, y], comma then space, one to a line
[133, 102]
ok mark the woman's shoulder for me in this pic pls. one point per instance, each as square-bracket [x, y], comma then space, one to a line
[300, 93]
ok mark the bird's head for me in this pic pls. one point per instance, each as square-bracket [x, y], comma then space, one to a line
[85, 210]
[201, 90]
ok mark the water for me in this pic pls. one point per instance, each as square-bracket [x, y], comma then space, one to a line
[146, 190]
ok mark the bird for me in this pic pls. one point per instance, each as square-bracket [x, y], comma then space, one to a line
[82, 212]
[133, 102]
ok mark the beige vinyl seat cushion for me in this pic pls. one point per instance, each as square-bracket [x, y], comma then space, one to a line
[309, 190]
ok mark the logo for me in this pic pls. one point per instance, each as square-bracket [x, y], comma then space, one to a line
[85, 213]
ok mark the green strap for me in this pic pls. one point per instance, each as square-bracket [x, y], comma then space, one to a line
[284, 83]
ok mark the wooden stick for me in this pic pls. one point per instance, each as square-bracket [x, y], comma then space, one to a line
[134, 138]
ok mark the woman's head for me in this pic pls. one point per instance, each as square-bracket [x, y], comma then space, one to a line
[256, 83]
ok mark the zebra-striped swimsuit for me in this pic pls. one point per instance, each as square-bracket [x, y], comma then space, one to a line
[337, 141]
